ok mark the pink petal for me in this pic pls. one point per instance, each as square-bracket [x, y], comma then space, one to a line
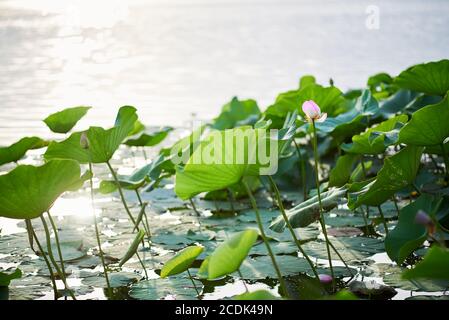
[322, 118]
[311, 109]
[325, 278]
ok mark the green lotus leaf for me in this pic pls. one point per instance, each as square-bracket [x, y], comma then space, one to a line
[5, 278]
[330, 100]
[341, 173]
[256, 295]
[408, 235]
[64, 121]
[428, 125]
[203, 174]
[435, 266]
[376, 139]
[150, 172]
[397, 172]
[27, 191]
[102, 143]
[17, 150]
[149, 140]
[235, 112]
[181, 261]
[228, 256]
[133, 247]
[431, 78]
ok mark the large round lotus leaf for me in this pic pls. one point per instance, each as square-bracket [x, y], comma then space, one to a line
[262, 268]
[179, 288]
[395, 280]
[256, 295]
[116, 280]
[431, 78]
[355, 248]
[27, 191]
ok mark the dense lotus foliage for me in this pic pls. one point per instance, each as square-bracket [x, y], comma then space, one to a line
[358, 207]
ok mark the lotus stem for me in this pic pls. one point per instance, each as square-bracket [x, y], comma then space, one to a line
[341, 258]
[435, 164]
[384, 222]
[122, 196]
[231, 199]
[396, 204]
[53, 260]
[30, 234]
[243, 280]
[47, 262]
[97, 233]
[302, 167]
[193, 282]
[197, 212]
[145, 223]
[58, 244]
[365, 216]
[446, 160]
[264, 238]
[289, 226]
[322, 221]
[143, 265]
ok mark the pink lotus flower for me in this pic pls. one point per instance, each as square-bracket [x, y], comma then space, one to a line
[325, 278]
[313, 112]
[423, 218]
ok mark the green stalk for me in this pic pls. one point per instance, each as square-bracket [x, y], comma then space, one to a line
[302, 168]
[365, 217]
[53, 260]
[145, 223]
[58, 244]
[143, 265]
[50, 269]
[446, 160]
[322, 221]
[193, 282]
[262, 234]
[97, 233]
[289, 226]
[396, 204]
[122, 196]
[384, 222]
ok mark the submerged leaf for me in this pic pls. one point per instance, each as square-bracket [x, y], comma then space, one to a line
[5, 278]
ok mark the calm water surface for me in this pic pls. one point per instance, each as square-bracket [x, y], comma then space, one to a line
[172, 58]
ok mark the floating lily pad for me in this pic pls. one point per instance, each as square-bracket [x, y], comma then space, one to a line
[116, 280]
[178, 288]
[395, 280]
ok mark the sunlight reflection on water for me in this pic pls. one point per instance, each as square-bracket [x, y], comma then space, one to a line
[173, 58]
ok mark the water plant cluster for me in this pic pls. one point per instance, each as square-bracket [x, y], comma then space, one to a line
[357, 208]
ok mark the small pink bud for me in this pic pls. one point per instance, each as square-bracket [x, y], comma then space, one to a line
[325, 278]
[423, 218]
[313, 111]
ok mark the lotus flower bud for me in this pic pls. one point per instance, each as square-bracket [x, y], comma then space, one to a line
[423, 218]
[84, 141]
[325, 278]
[313, 112]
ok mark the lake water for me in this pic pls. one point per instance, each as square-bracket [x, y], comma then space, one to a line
[172, 58]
